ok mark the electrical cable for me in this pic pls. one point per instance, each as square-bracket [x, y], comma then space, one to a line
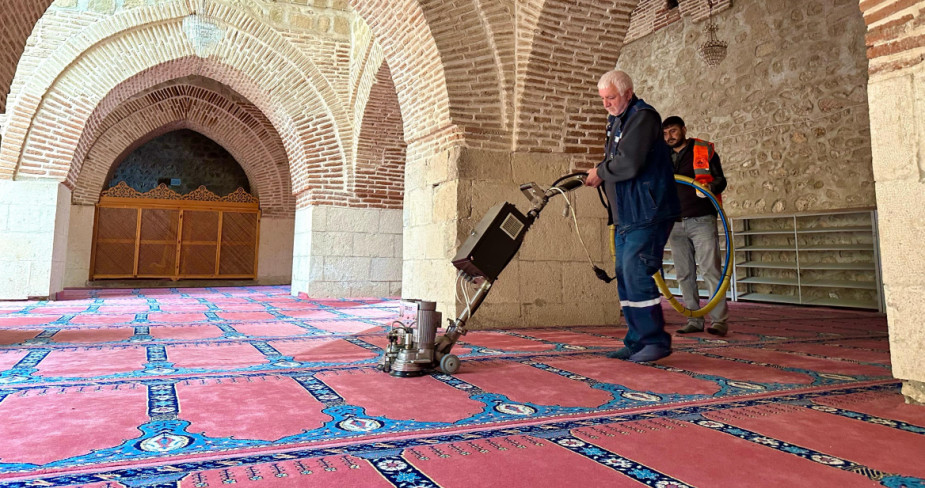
[466, 295]
[601, 274]
[563, 178]
[456, 288]
[461, 284]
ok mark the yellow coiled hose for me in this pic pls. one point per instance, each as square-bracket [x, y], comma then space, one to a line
[720, 291]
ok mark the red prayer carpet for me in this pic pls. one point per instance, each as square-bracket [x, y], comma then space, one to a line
[251, 387]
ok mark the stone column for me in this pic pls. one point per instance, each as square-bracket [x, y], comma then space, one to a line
[550, 281]
[431, 210]
[34, 227]
[275, 251]
[897, 115]
[79, 245]
[347, 252]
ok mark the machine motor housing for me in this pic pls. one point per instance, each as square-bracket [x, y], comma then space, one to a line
[493, 242]
[411, 351]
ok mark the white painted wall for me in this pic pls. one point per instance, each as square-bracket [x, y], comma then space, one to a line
[79, 246]
[274, 252]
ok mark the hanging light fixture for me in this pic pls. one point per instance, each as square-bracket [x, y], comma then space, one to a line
[713, 51]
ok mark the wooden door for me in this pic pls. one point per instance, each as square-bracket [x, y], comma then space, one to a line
[137, 236]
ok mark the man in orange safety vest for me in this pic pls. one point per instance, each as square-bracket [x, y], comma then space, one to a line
[694, 241]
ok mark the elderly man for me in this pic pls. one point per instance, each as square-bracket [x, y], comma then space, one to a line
[637, 177]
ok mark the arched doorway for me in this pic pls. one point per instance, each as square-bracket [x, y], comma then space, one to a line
[177, 207]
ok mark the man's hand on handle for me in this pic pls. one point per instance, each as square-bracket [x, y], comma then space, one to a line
[700, 193]
[593, 180]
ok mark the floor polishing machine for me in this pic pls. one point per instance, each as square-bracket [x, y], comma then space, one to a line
[413, 347]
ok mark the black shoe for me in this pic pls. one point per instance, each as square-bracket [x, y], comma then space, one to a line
[689, 329]
[622, 353]
[718, 329]
[650, 353]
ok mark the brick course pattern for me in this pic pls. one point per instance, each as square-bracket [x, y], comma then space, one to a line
[498, 75]
[563, 48]
[17, 18]
[380, 173]
[42, 132]
[652, 15]
[895, 34]
[229, 120]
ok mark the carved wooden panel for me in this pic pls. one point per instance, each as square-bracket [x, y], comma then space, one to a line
[160, 234]
[239, 244]
[114, 250]
[199, 243]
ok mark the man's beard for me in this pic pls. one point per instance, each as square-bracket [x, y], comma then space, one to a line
[677, 144]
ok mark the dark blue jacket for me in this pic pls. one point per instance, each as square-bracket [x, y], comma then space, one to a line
[637, 170]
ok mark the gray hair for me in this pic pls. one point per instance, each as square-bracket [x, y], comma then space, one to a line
[617, 79]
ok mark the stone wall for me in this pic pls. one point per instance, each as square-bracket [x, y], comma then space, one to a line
[347, 252]
[34, 220]
[787, 108]
[186, 156]
[896, 48]
[549, 281]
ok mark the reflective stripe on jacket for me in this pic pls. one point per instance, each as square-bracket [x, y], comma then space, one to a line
[703, 153]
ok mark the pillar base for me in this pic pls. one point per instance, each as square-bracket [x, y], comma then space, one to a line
[914, 392]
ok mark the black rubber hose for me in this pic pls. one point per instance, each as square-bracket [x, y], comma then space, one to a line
[554, 183]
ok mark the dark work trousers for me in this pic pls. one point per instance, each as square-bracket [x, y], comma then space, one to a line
[639, 256]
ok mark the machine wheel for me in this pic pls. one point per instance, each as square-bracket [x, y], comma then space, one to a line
[449, 364]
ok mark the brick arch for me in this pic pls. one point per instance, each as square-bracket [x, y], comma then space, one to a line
[480, 70]
[244, 132]
[417, 67]
[17, 18]
[380, 170]
[575, 42]
[409, 43]
[303, 107]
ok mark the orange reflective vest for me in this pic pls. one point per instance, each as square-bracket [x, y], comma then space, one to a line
[703, 153]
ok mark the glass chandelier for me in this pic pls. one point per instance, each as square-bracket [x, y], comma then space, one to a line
[713, 51]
